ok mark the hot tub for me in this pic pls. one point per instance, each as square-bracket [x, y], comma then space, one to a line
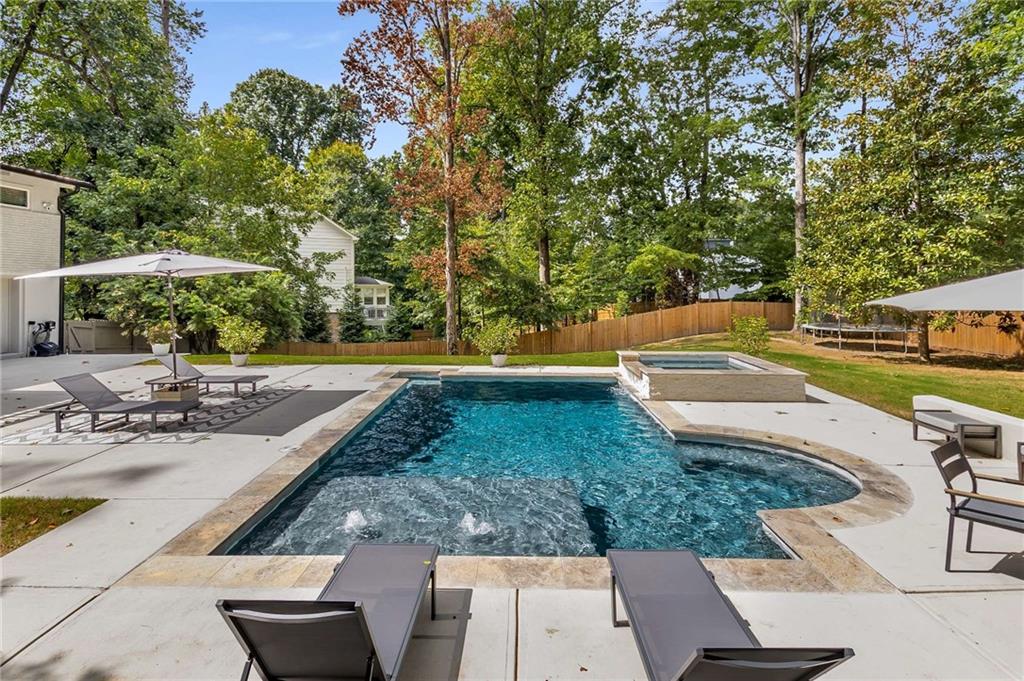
[710, 377]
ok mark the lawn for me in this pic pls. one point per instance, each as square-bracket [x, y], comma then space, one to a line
[887, 381]
[22, 519]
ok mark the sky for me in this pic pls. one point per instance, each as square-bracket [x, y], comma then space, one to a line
[305, 39]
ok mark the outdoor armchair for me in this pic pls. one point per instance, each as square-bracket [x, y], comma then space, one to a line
[687, 629]
[358, 628]
[187, 370]
[971, 505]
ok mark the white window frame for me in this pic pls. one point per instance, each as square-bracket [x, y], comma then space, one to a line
[28, 196]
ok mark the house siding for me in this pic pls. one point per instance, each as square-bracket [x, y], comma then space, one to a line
[323, 237]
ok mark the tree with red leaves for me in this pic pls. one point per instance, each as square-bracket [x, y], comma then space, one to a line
[412, 68]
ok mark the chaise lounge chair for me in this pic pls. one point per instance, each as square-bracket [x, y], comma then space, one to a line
[89, 396]
[974, 507]
[186, 370]
[358, 628]
[687, 629]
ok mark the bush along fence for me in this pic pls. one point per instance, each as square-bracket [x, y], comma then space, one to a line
[605, 334]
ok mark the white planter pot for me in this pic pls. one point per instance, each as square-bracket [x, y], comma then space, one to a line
[160, 349]
[239, 360]
[498, 360]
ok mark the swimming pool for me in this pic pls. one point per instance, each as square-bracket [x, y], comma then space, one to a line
[539, 468]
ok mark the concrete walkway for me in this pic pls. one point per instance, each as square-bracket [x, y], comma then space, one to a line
[70, 613]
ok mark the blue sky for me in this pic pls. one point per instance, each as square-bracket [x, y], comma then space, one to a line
[305, 39]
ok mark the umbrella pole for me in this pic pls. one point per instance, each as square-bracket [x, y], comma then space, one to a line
[174, 327]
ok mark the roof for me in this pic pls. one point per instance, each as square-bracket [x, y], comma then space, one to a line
[338, 227]
[370, 281]
[999, 292]
[60, 179]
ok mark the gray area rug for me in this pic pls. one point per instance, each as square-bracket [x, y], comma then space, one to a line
[291, 412]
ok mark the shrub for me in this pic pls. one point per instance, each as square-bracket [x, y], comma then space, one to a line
[399, 324]
[497, 338]
[238, 336]
[351, 319]
[159, 333]
[750, 335]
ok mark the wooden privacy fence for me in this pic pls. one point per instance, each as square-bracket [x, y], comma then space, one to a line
[982, 340]
[605, 334]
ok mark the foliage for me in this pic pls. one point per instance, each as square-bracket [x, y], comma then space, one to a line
[412, 67]
[159, 333]
[750, 334]
[316, 326]
[659, 272]
[399, 323]
[238, 336]
[295, 116]
[351, 321]
[498, 337]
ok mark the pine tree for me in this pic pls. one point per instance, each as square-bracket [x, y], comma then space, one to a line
[351, 323]
[399, 324]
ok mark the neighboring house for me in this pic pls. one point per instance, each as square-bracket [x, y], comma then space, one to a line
[376, 297]
[327, 236]
[714, 259]
[31, 240]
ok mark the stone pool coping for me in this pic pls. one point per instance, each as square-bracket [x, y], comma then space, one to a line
[823, 563]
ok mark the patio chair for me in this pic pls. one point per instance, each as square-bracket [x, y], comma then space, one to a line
[358, 628]
[91, 397]
[974, 507]
[187, 370]
[687, 629]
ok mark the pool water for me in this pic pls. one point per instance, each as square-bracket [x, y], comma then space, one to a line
[538, 468]
[717, 363]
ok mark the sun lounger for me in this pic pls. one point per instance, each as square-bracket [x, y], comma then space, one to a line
[686, 628]
[974, 507]
[186, 370]
[91, 397]
[358, 628]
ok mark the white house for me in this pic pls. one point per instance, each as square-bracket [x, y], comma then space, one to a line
[31, 240]
[327, 236]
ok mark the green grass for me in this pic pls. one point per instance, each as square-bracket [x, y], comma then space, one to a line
[22, 519]
[887, 381]
[583, 359]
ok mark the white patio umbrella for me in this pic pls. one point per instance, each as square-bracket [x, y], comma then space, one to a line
[170, 264]
[998, 293]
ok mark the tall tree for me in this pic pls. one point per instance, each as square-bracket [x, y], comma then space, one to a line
[413, 68]
[296, 116]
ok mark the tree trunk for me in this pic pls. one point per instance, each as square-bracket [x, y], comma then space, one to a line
[544, 258]
[451, 253]
[924, 351]
[165, 19]
[800, 208]
[22, 53]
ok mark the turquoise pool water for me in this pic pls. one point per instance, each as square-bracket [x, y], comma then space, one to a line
[539, 468]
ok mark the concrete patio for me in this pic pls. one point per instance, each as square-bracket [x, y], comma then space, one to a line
[89, 601]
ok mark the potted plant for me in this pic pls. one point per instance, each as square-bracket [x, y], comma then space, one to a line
[239, 338]
[497, 339]
[159, 337]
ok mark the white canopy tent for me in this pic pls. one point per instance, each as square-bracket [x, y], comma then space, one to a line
[997, 293]
[170, 264]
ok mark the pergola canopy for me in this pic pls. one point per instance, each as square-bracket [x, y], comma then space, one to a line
[997, 293]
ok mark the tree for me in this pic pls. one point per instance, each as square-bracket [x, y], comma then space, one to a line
[351, 321]
[413, 67]
[536, 76]
[316, 326]
[399, 324]
[926, 190]
[89, 79]
[295, 116]
[664, 275]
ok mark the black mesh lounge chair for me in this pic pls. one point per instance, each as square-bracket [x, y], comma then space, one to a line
[358, 628]
[89, 396]
[686, 628]
[186, 370]
[973, 506]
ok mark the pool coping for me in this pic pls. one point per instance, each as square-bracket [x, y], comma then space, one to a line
[822, 564]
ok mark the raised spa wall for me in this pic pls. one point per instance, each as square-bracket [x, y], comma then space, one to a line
[763, 382]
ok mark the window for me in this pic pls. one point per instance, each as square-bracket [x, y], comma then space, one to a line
[12, 196]
[380, 314]
[368, 300]
[382, 300]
